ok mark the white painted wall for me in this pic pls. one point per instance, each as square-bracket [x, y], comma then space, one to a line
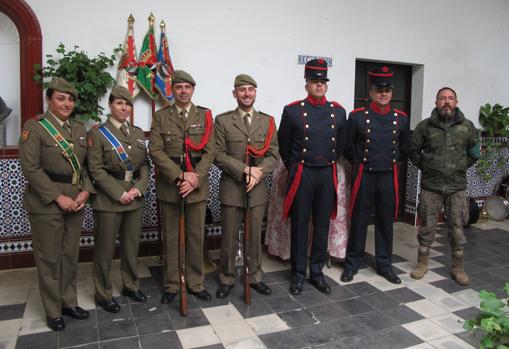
[461, 43]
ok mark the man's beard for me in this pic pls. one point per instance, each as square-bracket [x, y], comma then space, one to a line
[446, 113]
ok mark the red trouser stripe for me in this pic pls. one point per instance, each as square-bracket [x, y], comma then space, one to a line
[293, 190]
[355, 190]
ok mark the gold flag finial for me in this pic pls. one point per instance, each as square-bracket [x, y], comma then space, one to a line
[163, 26]
[151, 19]
[130, 21]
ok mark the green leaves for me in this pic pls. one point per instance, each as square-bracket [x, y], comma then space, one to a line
[87, 74]
[494, 321]
[495, 122]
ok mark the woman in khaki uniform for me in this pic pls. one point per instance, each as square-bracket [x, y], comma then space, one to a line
[52, 153]
[117, 161]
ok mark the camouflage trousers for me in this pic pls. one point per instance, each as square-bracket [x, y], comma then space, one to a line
[430, 206]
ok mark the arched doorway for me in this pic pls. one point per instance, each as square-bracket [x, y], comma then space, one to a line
[30, 53]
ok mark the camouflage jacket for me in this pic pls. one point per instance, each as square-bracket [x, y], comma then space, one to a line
[444, 152]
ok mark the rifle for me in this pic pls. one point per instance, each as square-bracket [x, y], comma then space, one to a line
[247, 224]
[182, 248]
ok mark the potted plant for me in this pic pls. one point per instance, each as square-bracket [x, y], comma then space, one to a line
[493, 321]
[87, 74]
[494, 121]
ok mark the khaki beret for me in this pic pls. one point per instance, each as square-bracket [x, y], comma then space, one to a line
[122, 93]
[182, 76]
[61, 85]
[244, 79]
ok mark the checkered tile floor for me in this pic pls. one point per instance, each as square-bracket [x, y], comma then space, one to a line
[366, 313]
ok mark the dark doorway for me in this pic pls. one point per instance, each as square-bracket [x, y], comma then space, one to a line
[401, 99]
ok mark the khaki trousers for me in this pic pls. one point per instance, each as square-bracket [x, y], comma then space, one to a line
[195, 225]
[127, 226]
[231, 219]
[56, 243]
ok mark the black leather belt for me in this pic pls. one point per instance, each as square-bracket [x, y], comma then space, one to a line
[61, 178]
[121, 175]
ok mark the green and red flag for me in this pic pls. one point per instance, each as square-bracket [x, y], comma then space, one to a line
[147, 62]
[128, 65]
[164, 67]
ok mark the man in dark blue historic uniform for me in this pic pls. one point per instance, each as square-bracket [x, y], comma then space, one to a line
[377, 143]
[311, 139]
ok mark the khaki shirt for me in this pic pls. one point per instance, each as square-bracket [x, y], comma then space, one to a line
[232, 138]
[166, 144]
[39, 154]
[103, 161]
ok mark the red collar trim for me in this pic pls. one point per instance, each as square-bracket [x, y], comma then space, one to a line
[315, 102]
[380, 110]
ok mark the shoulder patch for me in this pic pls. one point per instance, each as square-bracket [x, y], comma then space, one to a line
[400, 112]
[358, 109]
[226, 112]
[336, 104]
[24, 136]
[293, 103]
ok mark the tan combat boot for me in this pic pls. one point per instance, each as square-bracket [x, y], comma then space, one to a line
[422, 263]
[457, 271]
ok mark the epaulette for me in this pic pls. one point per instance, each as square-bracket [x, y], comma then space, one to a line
[96, 126]
[400, 112]
[293, 103]
[226, 112]
[336, 104]
[358, 109]
[139, 128]
[265, 114]
[38, 117]
[76, 121]
[204, 108]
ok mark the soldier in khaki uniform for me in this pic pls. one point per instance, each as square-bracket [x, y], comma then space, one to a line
[170, 127]
[118, 206]
[234, 131]
[53, 149]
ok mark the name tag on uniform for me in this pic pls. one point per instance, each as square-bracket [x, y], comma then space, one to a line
[128, 176]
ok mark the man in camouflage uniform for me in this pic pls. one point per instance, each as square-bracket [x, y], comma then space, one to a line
[443, 147]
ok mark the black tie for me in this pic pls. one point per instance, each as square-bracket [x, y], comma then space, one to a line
[124, 130]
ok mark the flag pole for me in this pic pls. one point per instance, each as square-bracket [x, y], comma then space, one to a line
[130, 26]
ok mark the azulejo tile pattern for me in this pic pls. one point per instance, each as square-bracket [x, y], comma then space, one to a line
[476, 186]
[362, 314]
[14, 219]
